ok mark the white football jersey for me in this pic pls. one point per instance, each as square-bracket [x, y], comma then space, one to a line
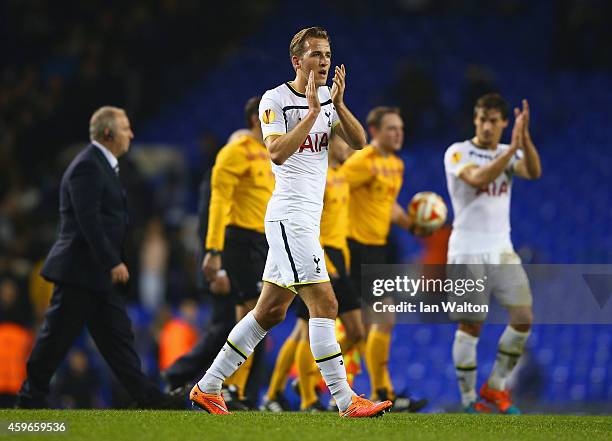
[482, 215]
[300, 180]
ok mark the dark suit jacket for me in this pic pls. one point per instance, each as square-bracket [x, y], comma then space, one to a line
[93, 224]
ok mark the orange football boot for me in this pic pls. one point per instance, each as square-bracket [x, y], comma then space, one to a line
[211, 403]
[362, 408]
[500, 399]
[478, 407]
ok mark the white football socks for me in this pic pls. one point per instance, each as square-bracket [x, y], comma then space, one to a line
[464, 357]
[327, 354]
[239, 346]
[509, 350]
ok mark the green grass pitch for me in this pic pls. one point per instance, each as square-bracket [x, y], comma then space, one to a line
[117, 425]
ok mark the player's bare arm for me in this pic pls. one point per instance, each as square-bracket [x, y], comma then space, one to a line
[528, 167]
[349, 128]
[400, 217]
[211, 265]
[479, 176]
[283, 146]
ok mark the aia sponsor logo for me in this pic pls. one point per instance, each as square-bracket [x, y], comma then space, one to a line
[314, 143]
[493, 189]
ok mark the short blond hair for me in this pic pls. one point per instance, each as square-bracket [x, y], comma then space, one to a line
[103, 118]
[296, 47]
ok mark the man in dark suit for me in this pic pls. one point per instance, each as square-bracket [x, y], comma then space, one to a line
[85, 263]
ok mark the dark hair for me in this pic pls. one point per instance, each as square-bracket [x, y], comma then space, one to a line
[296, 47]
[377, 114]
[493, 101]
[251, 108]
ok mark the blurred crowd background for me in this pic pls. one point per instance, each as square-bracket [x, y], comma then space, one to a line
[183, 71]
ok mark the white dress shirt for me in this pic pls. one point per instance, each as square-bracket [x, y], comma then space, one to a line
[112, 160]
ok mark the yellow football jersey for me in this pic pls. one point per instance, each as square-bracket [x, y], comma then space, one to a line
[334, 219]
[375, 181]
[241, 185]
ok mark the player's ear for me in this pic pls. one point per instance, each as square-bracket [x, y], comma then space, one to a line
[373, 131]
[295, 60]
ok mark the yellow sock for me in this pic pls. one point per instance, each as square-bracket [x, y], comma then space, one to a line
[388, 384]
[377, 357]
[240, 377]
[285, 358]
[306, 374]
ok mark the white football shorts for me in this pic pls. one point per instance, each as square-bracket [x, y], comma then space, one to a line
[295, 256]
[506, 280]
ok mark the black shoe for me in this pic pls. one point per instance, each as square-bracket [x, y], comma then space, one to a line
[282, 400]
[28, 403]
[172, 383]
[402, 403]
[278, 404]
[248, 404]
[405, 404]
[295, 385]
[245, 404]
[315, 408]
[230, 395]
[181, 391]
[169, 401]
